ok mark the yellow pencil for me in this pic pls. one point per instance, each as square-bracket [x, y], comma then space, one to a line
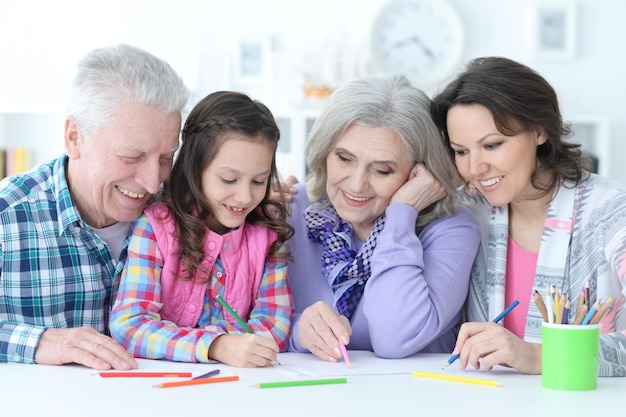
[464, 379]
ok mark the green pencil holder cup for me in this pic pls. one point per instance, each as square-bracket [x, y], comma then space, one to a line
[569, 356]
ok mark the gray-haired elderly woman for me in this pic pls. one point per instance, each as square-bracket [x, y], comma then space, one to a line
[381, 256]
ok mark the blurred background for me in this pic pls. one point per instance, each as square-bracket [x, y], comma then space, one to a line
[290, 54]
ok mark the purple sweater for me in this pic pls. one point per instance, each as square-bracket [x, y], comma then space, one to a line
[413, 300]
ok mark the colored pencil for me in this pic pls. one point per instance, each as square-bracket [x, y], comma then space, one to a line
[601, 311]
[239, 319]
[590, 313]
[587, 291]
[565, 318]
[131, 374]
[300, 383]
[496, 320]
[344, 352]
[464, 379]
[541, 306]
[550, 304]
[233, 313]
[506, 311]
[560, 309]
[581, 312]
[208, 374]
[197, 381]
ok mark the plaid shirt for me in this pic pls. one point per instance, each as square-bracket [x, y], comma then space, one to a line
[54, 270]
[137, 324]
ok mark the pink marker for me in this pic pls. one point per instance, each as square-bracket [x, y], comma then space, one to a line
[344, 352]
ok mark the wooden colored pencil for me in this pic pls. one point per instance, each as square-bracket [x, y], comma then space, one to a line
[559, 309]
[601, 311]
[550, 304]
[131, 374]
[565, 318]
[541, 306]
[587, 291]
[454, 378]
[282, 384]
[197, 381]
[581, 311]
[594, 308]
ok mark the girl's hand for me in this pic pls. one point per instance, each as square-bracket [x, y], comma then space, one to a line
[244, 350]
[485, 345]
[421, 189]
[321, 328]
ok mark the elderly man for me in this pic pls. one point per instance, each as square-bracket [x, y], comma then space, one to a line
[64, 225]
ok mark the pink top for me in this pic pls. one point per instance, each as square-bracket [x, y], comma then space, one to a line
[520, 276]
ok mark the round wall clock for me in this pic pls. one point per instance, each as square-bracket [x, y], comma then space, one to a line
[421, 39]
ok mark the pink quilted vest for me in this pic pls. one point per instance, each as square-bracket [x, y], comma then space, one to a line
[243, 253]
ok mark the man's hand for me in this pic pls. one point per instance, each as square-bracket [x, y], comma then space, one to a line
[85, 346]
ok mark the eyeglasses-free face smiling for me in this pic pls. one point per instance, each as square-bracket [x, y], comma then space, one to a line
[235, 182]
[499, 166]
[365, 168]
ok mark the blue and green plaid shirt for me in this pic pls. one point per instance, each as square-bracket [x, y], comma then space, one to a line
[54, 270]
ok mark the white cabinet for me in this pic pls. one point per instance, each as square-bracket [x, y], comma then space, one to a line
[592, 132]
[295, 125]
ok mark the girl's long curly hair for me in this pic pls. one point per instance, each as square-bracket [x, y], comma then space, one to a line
[203, 134]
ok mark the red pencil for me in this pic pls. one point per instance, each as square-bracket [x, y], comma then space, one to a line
[132, 374]
[197, 381]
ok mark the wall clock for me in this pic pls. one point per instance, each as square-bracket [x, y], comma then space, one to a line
[421, 39]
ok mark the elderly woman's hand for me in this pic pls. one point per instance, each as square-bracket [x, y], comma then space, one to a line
[287, 188]
[420, 191]
[321, 328]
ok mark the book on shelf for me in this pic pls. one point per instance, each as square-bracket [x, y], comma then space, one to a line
[15, 160]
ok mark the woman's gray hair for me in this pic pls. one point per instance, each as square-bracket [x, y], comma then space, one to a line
[382, 102]
[110, 76]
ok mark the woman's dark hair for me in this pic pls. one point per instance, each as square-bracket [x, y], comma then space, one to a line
[204, 132]
[520, 100]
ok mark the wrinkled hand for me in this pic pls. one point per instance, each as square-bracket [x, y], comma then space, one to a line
[485, 345]
[421, 190]
[244, 350]
[85, 346]
[287, 188]
[320, 330]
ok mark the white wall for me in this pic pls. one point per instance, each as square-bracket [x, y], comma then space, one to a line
[41, 42]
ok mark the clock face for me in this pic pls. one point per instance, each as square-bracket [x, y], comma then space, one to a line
[421, 39]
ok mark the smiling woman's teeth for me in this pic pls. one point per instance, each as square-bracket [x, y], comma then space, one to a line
[351, 197]
[491, 181]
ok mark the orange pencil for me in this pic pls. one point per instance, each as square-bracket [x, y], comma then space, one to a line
[197, 381]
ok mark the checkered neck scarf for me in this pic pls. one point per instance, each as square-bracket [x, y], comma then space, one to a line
[345, 269]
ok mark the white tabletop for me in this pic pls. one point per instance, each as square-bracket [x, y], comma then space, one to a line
[375, 387]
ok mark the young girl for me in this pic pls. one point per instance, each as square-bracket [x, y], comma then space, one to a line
[214, 232]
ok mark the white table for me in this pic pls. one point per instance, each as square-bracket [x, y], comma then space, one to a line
[376, 387]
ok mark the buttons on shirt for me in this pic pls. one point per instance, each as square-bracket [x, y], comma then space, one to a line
[227, 245]
[16, 357]
[211, 245]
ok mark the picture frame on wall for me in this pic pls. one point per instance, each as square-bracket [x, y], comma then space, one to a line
[252, 62]
[555, 29]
